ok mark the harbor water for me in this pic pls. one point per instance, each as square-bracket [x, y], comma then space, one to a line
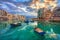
[26, 31]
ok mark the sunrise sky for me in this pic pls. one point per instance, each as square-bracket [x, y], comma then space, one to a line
[19, 7]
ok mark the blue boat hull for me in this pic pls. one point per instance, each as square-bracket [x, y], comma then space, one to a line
[15, 25]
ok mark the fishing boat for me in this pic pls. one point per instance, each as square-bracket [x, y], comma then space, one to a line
[26, 21]
[15, 24]
[31, 21]
[39, 31]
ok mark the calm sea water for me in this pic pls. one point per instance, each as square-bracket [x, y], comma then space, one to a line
[26, 32]
[50, 26]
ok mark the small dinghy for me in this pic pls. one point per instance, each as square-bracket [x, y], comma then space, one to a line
[39, 31]
[26, 21]
[15, 24]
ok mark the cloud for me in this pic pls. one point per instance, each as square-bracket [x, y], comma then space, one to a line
[29, 13]
[24, 9]
[21, 10]
[9, 3]
[21, 0]
[3, 6]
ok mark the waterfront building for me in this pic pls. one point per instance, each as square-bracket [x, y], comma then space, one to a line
[35, 19]
[10, 16]
[21, 17]
[56, 11]
[56, 14]
[3, 15]
[47, 14]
